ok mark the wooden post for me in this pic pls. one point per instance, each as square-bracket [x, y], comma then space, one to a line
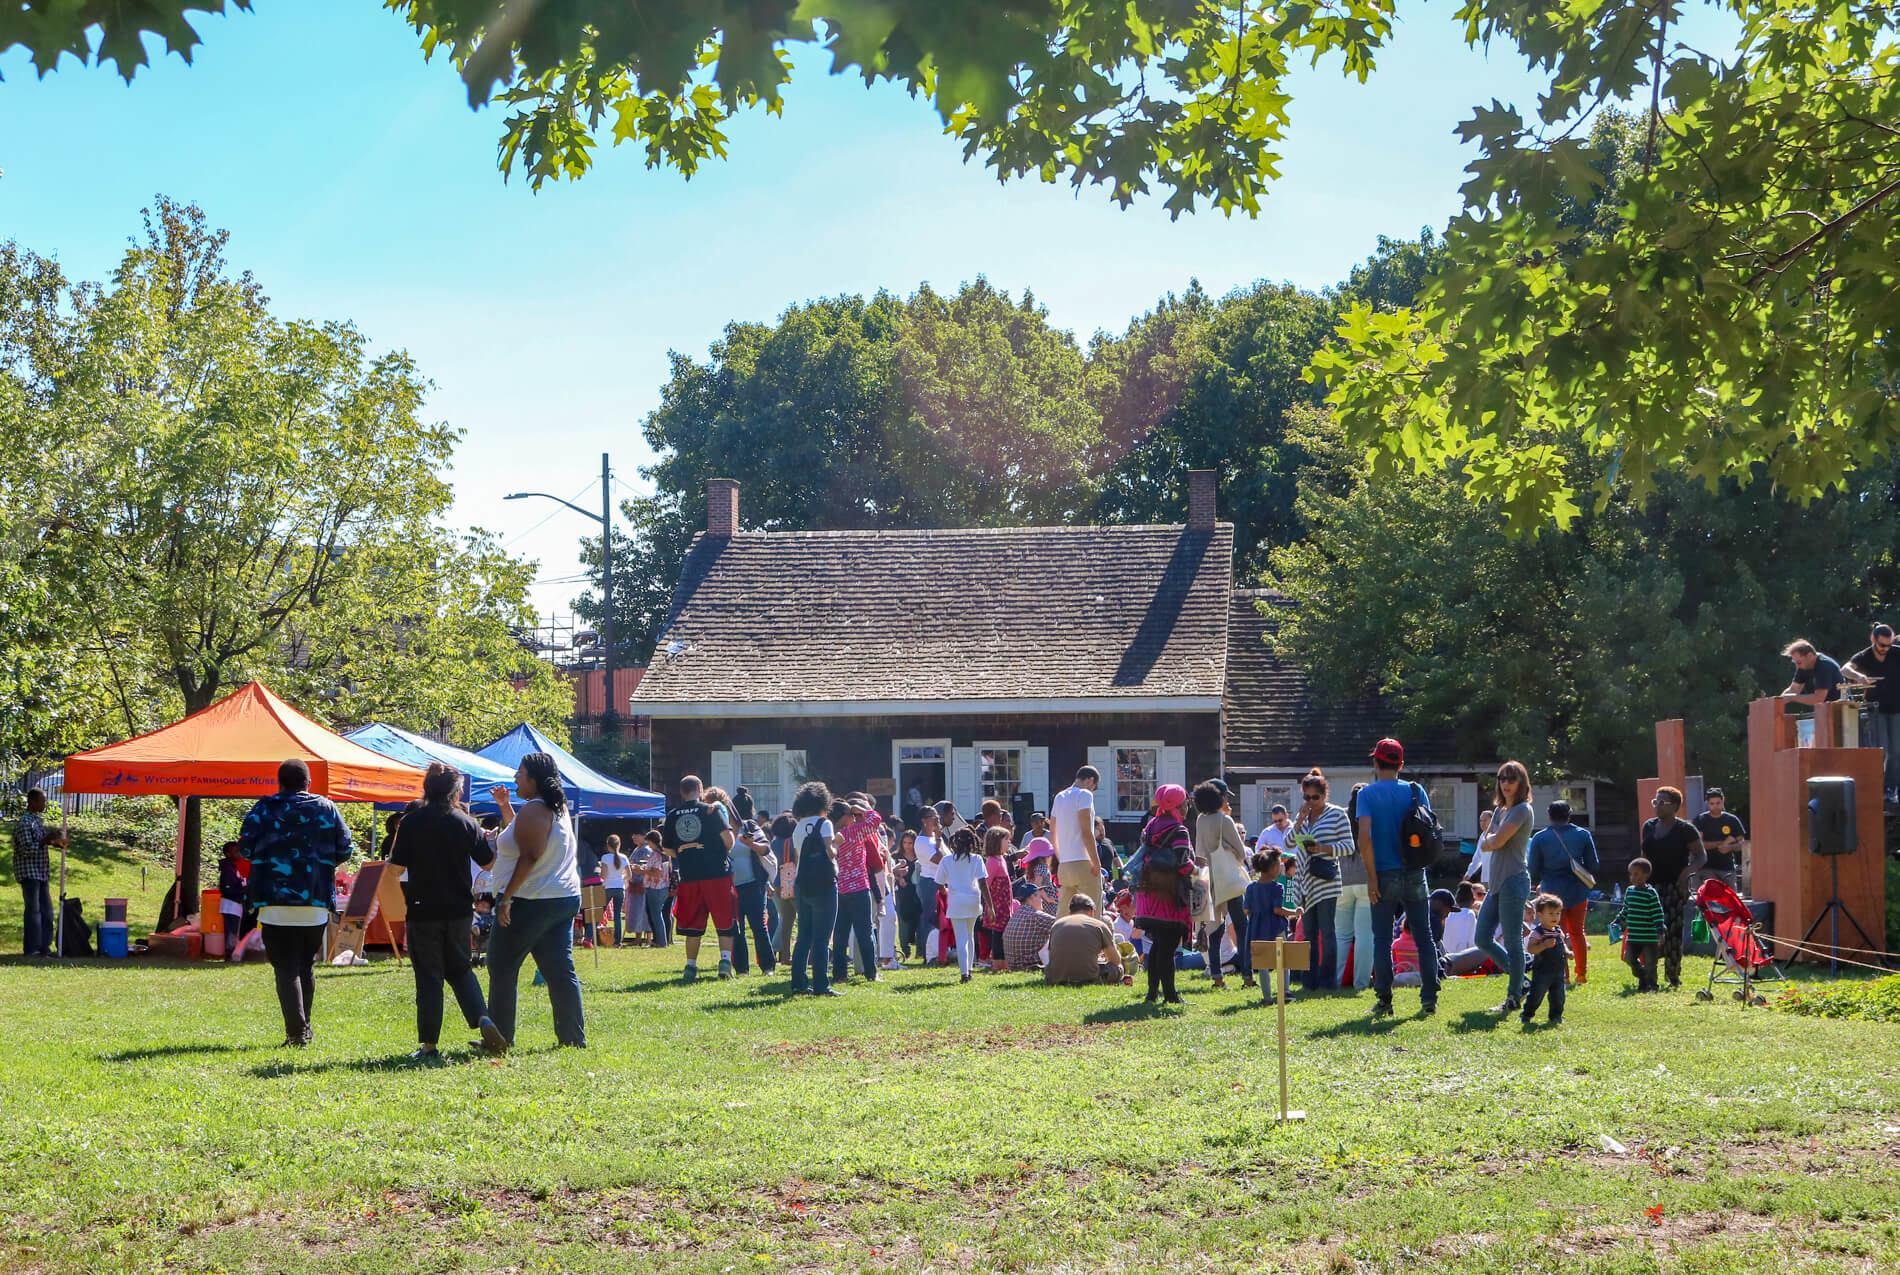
[1277, 958]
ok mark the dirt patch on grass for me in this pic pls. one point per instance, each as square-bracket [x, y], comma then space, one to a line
[924, 1044]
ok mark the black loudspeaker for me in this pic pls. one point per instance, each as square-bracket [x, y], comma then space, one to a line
[1831, 826]
[1021, 806]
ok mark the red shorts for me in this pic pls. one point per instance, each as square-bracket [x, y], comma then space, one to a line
[694, 901]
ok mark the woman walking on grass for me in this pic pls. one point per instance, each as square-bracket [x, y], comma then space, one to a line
[1162, 885]
[1505, 832]
[437, 847]
[539, 898]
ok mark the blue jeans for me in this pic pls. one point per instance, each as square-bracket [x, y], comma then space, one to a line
[752, 908]
[1504, 909]
[1883, 731]
[817, 913]
[854, 914]
[38, 924]
[658, 917]
[1325, 944]
[1404, 891]
[545, 929]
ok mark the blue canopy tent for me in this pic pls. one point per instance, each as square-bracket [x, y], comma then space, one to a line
[419, 750]
[590, 793]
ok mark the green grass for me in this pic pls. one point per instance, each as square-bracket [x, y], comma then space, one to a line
[147, 1122]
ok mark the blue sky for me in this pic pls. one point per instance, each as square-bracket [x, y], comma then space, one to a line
[357, 184]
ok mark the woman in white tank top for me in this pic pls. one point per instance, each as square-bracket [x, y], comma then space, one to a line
[540, 894]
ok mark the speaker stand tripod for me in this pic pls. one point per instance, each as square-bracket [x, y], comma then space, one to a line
[1832, 914]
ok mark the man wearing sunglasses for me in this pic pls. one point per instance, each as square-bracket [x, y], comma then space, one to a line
[1879, 664]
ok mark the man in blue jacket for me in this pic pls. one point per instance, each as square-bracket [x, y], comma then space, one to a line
[294, 840]
[1555, 855]
[1391, 886]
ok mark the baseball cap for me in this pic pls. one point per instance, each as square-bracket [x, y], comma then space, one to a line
[1445, 897]
[1389, 751]
[1024, 890]
[1278, 809]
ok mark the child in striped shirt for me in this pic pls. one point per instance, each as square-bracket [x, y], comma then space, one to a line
[1642, 922]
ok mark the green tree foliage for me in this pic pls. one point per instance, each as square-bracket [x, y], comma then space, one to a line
[928, 411]
[1731, 316]
[1199, 386]
[1563, 649]
[218, 494]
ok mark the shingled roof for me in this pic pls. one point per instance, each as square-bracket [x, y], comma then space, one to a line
[1004, 614]
[1277, 720]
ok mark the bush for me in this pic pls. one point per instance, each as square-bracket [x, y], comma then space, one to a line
[1877, 1001]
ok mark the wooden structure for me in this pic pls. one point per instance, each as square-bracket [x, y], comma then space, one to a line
[1797, 882]
[372, 912]
[1280, 956]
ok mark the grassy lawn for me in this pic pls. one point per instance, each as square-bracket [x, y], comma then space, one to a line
[149, 1123]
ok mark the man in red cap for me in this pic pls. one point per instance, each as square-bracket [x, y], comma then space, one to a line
[1383, 805]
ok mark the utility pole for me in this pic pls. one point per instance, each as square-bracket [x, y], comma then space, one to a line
[610, 713]
[610, 716]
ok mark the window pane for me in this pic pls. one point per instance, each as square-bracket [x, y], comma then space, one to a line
[759, 772]
[1137, 772]
[1000, 773]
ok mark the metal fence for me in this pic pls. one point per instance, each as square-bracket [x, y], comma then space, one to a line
[53, 783]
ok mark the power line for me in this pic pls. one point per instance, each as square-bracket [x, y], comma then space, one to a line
[516, 539]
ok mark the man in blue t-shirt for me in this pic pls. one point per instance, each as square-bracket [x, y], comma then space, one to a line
[1382, 807]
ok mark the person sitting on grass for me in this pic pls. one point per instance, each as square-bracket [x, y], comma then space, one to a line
[1268, 916]
[1082, 949]
[1642, 922]
[1550, 962]
[1028, 929]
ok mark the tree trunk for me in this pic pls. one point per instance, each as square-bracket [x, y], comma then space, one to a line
[184, 893]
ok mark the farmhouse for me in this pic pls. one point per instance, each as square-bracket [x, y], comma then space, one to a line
[992, 663]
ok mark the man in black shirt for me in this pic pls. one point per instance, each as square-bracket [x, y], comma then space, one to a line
[1817, 678]
[437, 843]
[1724, 836]
[698, 837]
[1879, 663]
[1674, 849]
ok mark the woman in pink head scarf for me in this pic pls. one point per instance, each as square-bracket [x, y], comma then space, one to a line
[1161, 891]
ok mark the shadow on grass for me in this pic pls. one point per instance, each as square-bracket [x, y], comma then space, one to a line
[1476, 1020]
[1135, 1012]
[388, 1064]
[173, 1051]
[1366, 1026]
[659, 984]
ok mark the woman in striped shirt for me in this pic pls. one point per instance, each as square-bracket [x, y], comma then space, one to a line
[1320, 833]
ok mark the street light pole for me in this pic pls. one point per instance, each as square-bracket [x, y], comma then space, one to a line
[609, 718]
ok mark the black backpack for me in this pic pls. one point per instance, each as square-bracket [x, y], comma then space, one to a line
[1421, 840]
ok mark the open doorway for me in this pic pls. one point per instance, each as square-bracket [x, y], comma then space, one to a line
[922, 770]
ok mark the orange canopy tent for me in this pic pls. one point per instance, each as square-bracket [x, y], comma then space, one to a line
[233, 748]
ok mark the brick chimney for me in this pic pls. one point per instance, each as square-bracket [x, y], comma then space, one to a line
[722, 506]
[1201, 487]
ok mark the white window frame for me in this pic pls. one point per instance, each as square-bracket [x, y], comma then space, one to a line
[1018, 746]
[765, 811]
[1116, 746]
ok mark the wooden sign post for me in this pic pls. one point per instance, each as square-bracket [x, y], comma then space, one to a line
[593, 911]
[1279, 957]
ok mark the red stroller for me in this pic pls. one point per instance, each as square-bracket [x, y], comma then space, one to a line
[1747, 958]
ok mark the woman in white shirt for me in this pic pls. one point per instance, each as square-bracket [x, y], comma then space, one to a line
[613, 875]
[540, 896]
[961, 875]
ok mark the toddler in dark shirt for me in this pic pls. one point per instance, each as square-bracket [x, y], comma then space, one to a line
[1549, 959]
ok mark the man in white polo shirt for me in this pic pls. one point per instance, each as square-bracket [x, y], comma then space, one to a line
[1072, 819]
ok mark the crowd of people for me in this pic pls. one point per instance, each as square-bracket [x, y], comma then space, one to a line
[830, 886]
